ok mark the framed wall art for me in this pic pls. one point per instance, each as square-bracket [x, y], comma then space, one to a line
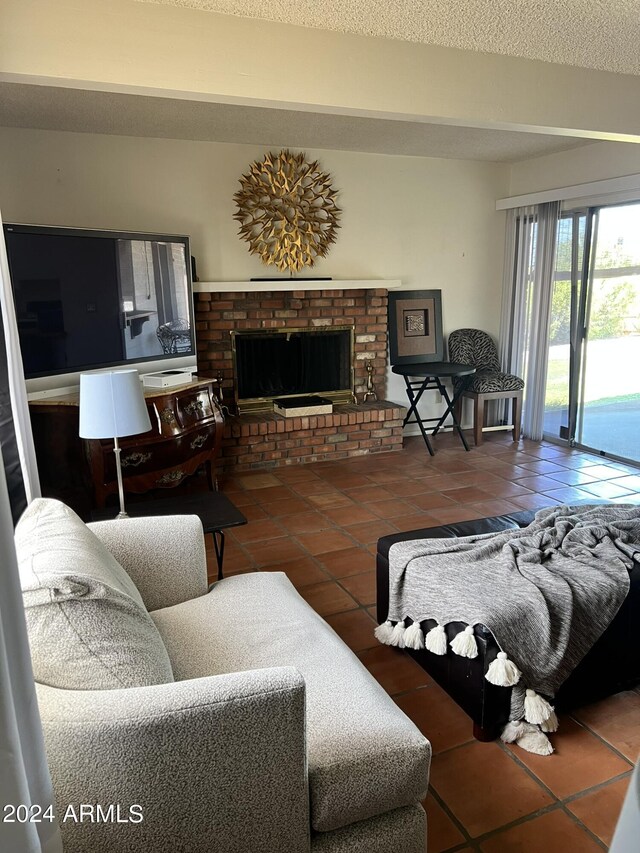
[415, 326]
[287, 211]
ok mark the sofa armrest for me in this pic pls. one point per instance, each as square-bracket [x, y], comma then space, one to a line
[216, 764]
[164, 556]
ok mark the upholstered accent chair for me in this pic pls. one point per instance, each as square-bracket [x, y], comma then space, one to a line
[472, 346]
[234, 717]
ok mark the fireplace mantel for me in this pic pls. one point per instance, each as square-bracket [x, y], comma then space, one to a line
[295, 284]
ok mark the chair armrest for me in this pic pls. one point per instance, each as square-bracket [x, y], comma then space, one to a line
[217, 764]
[164, 556]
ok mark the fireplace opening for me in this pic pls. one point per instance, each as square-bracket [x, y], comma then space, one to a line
[271, 363]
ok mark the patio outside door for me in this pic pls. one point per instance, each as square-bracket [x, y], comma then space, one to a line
[593, 380]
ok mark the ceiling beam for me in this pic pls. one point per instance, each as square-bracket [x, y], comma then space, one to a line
[168, 51]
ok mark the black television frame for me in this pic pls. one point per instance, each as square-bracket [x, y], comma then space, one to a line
[55, 230]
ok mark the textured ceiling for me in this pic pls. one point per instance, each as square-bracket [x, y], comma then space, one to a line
[602, 34]
[54, 108]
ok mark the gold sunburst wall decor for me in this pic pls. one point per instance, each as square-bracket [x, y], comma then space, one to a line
[287, 211]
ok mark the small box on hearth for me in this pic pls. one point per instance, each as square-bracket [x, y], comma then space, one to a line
[299, 407]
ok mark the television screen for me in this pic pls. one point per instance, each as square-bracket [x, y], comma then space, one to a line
[91, 299]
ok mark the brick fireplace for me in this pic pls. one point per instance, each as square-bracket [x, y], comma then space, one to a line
[268, 440]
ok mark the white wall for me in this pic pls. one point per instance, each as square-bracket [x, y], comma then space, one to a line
[431, 223]
[595, 162]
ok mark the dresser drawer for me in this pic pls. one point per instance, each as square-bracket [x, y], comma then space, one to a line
[175, 414]
[138, 459]
[193, 407]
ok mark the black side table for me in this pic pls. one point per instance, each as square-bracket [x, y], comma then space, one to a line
[432, 373]
[214, 509]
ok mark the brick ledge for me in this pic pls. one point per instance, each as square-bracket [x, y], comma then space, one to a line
[270, 440]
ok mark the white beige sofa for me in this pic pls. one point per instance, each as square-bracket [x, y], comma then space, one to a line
[235, 718]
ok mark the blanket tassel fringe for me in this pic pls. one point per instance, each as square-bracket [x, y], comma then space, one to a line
[551, 724]
[383, 632]
[527, 736]
[413, 637]
[436, 641]
[502, 672]
[536, 709]
[464, 643]
[530, 733]
[539, 716]
[397, 635]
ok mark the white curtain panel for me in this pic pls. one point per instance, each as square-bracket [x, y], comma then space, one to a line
[627, 831]
[517, 264]
[530, 252]
[24, 775]
[17, 387]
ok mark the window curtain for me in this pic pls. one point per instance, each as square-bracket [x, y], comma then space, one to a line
[15, 426]
[530, 252]
[24, 775]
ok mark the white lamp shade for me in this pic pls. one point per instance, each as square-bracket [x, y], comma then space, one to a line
[112, 405]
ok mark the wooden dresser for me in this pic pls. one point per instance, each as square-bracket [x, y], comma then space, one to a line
[187, 424]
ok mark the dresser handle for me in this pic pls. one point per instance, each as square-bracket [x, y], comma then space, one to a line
[170, 477]
[167, 416]
[198, 441]
[135, 459]
[194, 408]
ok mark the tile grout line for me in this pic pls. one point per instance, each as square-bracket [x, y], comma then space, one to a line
[457, 823]
[559, 802]
[552, 807]
[604, 740]
[498, 830]
[575, 819]
[595, 788]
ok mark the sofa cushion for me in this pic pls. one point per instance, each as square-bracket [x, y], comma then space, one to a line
[88, 628]
[365, 756]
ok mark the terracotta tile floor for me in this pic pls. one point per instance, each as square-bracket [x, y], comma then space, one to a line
[319, 523]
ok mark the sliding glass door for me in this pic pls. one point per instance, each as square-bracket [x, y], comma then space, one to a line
[593, 379]
[609, 414]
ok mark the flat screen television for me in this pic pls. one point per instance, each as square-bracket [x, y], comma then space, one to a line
[95, 299]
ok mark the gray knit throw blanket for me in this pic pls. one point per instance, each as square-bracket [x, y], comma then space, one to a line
[546, 592]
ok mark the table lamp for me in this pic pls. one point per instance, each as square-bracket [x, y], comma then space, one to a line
[112, 406]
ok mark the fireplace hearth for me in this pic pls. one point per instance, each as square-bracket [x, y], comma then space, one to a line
[292, 362]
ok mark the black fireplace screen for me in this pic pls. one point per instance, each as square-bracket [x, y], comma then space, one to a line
[285, 363]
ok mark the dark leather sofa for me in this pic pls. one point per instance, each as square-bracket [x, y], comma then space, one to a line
[613, 664]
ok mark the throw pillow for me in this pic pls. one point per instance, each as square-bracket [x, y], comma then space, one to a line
[88, 627]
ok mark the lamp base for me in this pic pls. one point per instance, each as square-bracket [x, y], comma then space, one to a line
[116, 450]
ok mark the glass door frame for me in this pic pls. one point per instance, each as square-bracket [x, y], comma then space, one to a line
[580, 311]
[577, 330]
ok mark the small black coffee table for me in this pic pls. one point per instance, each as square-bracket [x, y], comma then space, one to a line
[214, 509]
[432, 373]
